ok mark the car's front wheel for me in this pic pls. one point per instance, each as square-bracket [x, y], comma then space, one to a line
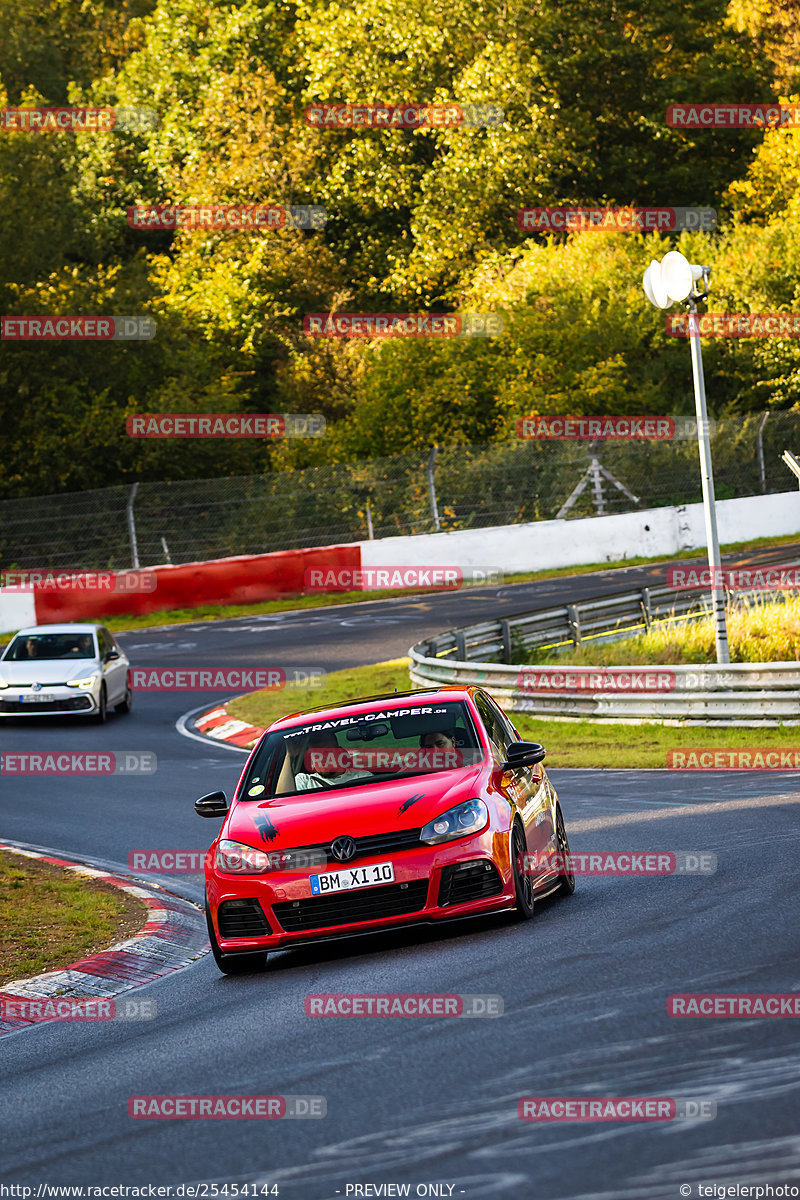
[567, 873]
[523, 880]
[234, 964]
[102, 707]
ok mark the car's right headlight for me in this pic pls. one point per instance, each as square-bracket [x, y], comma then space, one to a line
[237, 859]
[3, 684]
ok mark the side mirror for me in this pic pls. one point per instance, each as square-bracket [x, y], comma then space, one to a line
[523, 754]
[111, 655]
[213, 805]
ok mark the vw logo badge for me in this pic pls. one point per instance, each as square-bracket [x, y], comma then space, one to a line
[343, 849]
[37, 687]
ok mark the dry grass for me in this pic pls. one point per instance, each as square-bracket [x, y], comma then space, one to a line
[51, 917]
[758, 631]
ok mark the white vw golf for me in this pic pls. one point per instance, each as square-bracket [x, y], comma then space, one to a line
[65, 669]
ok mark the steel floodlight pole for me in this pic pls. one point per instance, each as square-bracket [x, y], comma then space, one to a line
[432, 488]
[707, 479]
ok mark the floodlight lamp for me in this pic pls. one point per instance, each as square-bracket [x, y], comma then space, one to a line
[654, 286]
[676, 275]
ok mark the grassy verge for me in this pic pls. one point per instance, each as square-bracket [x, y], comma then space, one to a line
[50, 916]
[227, 612]
[568, 743]
[763, 630]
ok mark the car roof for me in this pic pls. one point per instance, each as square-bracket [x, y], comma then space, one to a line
[448, 692]
[31, 629]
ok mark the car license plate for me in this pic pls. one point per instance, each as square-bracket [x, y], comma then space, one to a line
[33, 699]
[351, 878]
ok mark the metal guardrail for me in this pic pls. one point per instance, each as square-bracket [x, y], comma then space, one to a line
[737, 694]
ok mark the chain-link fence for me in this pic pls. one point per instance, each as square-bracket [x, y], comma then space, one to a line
[458, 488]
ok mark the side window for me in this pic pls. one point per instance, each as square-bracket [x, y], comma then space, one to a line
[505, 724]
[498, 736]
[106, 642]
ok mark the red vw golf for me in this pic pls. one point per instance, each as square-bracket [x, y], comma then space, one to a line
[397, 809]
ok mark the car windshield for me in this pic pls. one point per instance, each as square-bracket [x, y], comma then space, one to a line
[362, 749]
[36, 647]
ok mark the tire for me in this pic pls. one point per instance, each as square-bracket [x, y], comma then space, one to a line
[102, 712]
[523, 881]
[125, 705]
[567, 876]
[234, 964]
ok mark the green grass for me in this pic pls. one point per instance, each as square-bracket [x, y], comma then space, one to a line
[761, 630]
[51, 917]
[568, 743]
[227, 612]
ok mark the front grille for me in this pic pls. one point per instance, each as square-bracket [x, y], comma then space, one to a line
[469, 881]
[73, 704]
[345, 908]
[366, 847]
[242, 918]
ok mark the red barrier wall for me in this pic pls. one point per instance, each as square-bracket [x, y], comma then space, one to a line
[246, 579]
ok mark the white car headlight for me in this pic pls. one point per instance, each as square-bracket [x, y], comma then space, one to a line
[3, 684]
[82, 683]
[468, 817]
[238, 859]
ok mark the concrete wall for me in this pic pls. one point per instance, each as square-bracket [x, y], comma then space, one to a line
[547, 544]
[507, 548]
[17, 609]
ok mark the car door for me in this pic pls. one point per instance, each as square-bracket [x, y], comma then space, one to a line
[115, 670]
[528, 784]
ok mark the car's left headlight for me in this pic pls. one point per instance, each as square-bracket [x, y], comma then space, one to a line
[468, 817]
[82, 683]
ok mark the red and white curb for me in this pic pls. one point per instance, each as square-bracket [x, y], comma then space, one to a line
[219, 725]
[173, 936]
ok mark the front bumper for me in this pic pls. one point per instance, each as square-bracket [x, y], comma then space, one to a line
[16, 701]
[431, 883]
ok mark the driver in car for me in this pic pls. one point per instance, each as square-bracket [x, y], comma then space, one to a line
[331, 768]
[440, 739]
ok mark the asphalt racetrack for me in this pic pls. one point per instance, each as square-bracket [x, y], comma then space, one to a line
[427, 1103]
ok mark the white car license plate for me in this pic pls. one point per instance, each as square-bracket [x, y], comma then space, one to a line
[33, 699]
[351, 878]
